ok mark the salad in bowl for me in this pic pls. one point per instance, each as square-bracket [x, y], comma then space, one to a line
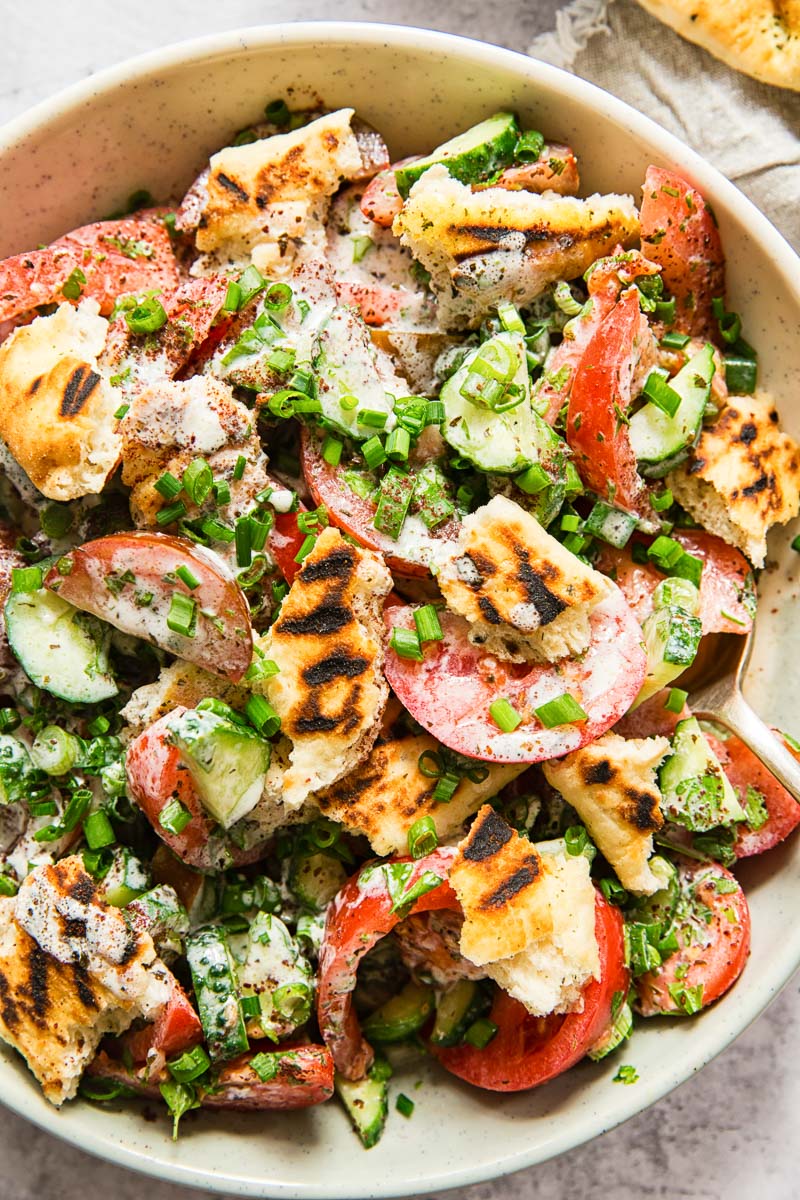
[359, 521]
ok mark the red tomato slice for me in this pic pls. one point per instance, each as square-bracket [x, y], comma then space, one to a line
[555, 170]
[156, 775]
[177, 1029]
[745, 770]
[680, 233]
[605, 282]
[109, 574]
[99, 251]
[285, 540]
[359, 916]
[527, 1051]
[712, 951]
[354, 515]
[601, 393]
[381, 201]
[651, 719]
[303, 1077]
[450, 692]
[727, 589]
[377, 303]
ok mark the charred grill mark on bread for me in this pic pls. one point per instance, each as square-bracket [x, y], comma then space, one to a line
[488, 835]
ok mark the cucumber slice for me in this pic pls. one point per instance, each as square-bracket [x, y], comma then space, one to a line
[502, 442]
[456, 1009]
[660, 908]
[617, 1032]
[671, 638]
[316, 878]
[471, 156]
[228, 763]
[15, 768]
[126, 879]
[696, 792]
[217, 991]
[401, 1016]
[660, 441]
[366, 1101]
[346, 366]
[62, 650]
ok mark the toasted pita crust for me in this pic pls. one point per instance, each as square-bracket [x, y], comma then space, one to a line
[743, 477]
[56, 410]
[612, 786]
[387, 793]
[328, 644]
[759, 37]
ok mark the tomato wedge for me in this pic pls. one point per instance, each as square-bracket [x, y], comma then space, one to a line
[745, 771]
[601, 396]
[679, 232]
[527, 1051]
[450, 692]
[378, 303]
[285, 540]
[113, 577]
[156, 775]
[359, 916]
[605, 281]
[651, 719]
[131, 255]
[381, 201]
[354, 515]
[727, 588]
[177, 1029]
[303, 1077]
[713, 932]
[191, 311]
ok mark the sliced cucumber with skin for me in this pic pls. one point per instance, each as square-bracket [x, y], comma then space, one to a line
[617, 1032]
[401, 1016]
[62, 650]
[696, 792]
[316, 878]
[217, 992]
[366, 1101]
[471, 156]
[228, 763]
[672, 636]
[659, 441]
[456, 1009]
[501, 442]
[660, 908]
[15, 768]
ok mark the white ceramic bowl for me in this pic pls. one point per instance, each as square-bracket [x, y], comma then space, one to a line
[152, 123]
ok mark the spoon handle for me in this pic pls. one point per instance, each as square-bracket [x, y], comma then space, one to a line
[737, 715]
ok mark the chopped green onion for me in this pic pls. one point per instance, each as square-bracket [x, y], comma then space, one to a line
[422, 837]
[688, 567]
[480, 1033]
[530, 145]
[242, 534]
[563, 710]
[238, 470]
[250, 283]
[332, 451]
[182, 615]
[174, 817]
[730, 323]
[55, 750]
[261, 668]
[664, 310]
[509, 316]
[250, 1005]
[198, 479]
[396, 494]
[796, 543]
[98, 831]
[570, 522]
[675, 340]
[371, 418]
[277, 113]
[171, 512]
[426, 620]
[72, 287]
[562, 294]
[167, 486]
[8, 886]
[445, 788]
[147, 316]
[262, 716]
[362, 242]
[189, 1065]
[398, 444]
[626, 1074]
[348, 403]
[281, 360]
[222, 492]
[534, 479]
[9, 720]
[675, 700]
[435, 412]
[26, 579]
[56, 520]
[404, 1105]
[306, 548]
[259, 532]
[659, 392]
[233, 298]
[577, 842]
[185, 575]
[665, 552]
[662, 501]
[741, 374]
[374, 453]
[405, 643]
[121, 412]
[504, 715]
[218, 531]
[278, 297]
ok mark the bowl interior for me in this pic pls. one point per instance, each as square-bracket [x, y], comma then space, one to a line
[152, 125]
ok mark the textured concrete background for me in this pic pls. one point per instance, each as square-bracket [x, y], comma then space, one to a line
[731, 1131]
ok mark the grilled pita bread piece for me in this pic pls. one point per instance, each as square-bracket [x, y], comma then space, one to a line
[743, 476]
[71, 970]
[529, 916]
[56, 410]
[180, 684]
[267, 201]
[387, 793]
[759, 37]
[527, 598]
[481, 247]
[327, 642]
[612, 785]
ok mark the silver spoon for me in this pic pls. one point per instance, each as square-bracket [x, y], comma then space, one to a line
[714, 682]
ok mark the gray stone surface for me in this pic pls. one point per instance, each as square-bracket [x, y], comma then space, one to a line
[730, 1132]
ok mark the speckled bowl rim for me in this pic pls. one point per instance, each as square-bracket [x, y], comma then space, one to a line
[744, 1004]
